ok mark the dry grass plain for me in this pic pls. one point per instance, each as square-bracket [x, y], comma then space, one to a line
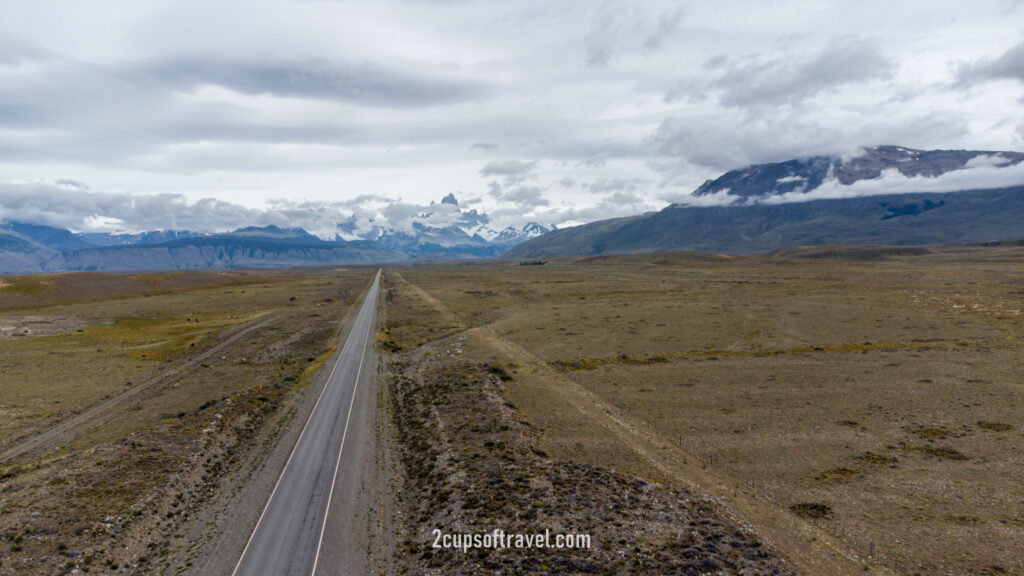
[107, 495]
[468, 462]
[858, 404]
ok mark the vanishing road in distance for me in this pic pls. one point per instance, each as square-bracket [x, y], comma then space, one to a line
[322, 469]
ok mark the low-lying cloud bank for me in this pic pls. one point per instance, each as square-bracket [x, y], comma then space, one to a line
[68, 205]
[72, 205]
[982, 172]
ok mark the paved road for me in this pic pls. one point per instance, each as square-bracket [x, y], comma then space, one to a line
[290, 534]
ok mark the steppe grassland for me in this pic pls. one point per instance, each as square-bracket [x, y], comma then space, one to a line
[112, 494]
[878, 399]
[73, 348]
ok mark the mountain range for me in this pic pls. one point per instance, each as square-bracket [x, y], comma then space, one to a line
[881, 195]
[30, 248]
[885, 195]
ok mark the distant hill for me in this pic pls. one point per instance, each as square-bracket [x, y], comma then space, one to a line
[444, 231]
[274, 232]
[21, 255]
[53, 238]
[768, 210]
[153, 237]
[222, 251]
[899, 219]
[25, 252]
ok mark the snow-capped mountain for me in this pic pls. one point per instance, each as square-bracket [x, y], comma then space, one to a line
[443, 231]
[511, 236]
[884, 195]
[803, 175]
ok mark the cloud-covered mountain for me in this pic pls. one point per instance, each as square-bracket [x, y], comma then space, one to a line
[444, 230]
[875, 170]
[885, 195]
[27, 247]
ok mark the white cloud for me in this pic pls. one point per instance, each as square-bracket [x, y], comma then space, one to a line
[760, 81]
[512, 172]
[231, 105]
[977, 175]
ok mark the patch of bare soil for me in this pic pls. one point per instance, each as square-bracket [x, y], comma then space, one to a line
[37, 325]
[472, 465]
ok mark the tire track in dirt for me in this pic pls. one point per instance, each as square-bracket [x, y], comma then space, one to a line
[69, 428]
[810, 548]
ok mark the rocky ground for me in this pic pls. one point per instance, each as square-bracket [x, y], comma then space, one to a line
[472, 465]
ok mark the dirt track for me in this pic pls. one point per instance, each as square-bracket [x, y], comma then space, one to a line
[811, 549]
[97, 414]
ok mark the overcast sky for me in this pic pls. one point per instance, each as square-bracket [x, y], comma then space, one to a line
[186, 113]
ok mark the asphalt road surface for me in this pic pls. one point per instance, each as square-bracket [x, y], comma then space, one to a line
[291, 533]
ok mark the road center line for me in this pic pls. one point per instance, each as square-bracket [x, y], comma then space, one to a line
[295, 447]
[344, 433]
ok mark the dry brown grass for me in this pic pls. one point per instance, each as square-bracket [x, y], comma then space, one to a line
[885, 391]
[113, 492]
[471, 463]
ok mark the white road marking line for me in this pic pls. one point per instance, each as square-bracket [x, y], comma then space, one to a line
[297, 442]
[334, 479]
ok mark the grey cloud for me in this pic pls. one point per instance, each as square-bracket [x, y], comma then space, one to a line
[1008, 66]
[621, 29]
[590, 148]
[715, 62]
[599, 41]
[181, 94]
[365, 83]
[511, 171]
[494, 189]
[118, 115]
[668, 22]
[723, 141]
[67, 183]
[617, 184]
[72, 208]
[689, 91]
[623, 198]
[16, 51]
[526, 197]
[755, 81]
[507, 168]
[612, 206]
[401, 214]
[113, 113]
[593, 162]
[139, 114]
